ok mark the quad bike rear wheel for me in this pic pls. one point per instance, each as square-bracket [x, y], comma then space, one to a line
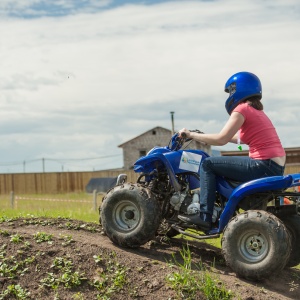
[256, 244]
[130, 215]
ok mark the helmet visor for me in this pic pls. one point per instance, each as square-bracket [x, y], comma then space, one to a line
[231, 89]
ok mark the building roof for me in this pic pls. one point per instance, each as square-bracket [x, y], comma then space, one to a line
[151, 130]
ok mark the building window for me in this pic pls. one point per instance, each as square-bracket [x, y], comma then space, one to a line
[143, 153]
[154, 132]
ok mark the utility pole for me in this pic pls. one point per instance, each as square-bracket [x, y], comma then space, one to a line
[172, 120]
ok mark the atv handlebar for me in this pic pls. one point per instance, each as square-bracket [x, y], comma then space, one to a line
[177, 142]
[183, 134]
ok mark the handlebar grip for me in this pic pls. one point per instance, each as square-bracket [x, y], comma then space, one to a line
[183, 135]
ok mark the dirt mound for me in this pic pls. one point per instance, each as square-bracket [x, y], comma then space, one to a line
[45, 258]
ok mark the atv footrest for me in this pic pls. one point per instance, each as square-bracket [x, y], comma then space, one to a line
[195, 236]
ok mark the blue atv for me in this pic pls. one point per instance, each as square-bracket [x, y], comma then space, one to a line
[260, 234]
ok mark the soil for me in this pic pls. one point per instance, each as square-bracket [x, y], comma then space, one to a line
[41, 257]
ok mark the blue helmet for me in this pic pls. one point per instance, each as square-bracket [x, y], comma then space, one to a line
[241, 86]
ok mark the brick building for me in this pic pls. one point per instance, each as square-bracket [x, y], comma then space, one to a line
[141, 144]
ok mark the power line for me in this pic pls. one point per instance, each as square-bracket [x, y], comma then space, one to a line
[58, 160]
[80, 159]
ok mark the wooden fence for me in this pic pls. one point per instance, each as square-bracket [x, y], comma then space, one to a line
[54, 183]
[67, 182]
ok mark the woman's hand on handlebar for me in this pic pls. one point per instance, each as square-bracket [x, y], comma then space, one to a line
[184, 133]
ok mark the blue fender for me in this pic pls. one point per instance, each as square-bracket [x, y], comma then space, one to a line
[171, 160]
[159, 157]
[251, 187]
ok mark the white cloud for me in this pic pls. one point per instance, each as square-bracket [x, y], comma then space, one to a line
[81, 84]
[38, 8]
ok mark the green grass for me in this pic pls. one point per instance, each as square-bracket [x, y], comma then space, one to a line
[190, 279]
[69, 206]
[216, 242]
[65, 209]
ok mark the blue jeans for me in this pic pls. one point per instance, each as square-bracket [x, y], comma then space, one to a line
[239, 168]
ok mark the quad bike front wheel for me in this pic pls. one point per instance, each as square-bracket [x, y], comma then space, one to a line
[256, 244]
[130, 215]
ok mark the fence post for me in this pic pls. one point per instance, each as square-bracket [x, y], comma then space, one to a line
[95, 199]
[12, 199]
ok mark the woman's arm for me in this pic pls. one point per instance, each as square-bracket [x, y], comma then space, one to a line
[234, 139]
[226, 135]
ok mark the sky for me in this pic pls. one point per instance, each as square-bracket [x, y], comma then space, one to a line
[80, 77]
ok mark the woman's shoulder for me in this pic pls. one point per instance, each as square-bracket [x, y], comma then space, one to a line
[244, 104]
[241, 107]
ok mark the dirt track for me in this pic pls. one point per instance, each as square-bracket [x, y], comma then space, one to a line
[147, 266]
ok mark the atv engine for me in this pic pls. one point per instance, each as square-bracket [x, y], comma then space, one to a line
[186, 202]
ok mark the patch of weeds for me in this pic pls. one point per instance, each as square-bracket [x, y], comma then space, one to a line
[5, 219]
[2, 251]
[110, 276]
[41, 237]
[187, 282]
[140, 269]
[32, 221]
[67, 239]
[70, 226]
[64, 274]
[214, 289]
[134, 292]
[76, 226]
[78, 296]
[89, 228]
[11, 268]
[4, 232]
[6, 270]
[263, 290]
[293, 286]
[29, 260]
[62, 263]
[47, 222]
[296, 275]
[16, 238]
[26, 245]
[15, 291]
[37, 221]
[98, 258]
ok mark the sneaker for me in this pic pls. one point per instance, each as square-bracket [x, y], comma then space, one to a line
[196, 220]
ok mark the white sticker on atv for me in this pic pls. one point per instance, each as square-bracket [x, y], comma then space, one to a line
[190, 161]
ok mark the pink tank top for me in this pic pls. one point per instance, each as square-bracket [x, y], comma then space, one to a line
[259, 133]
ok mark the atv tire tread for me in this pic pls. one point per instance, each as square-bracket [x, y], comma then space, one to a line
[261, 228]
[149, 215]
